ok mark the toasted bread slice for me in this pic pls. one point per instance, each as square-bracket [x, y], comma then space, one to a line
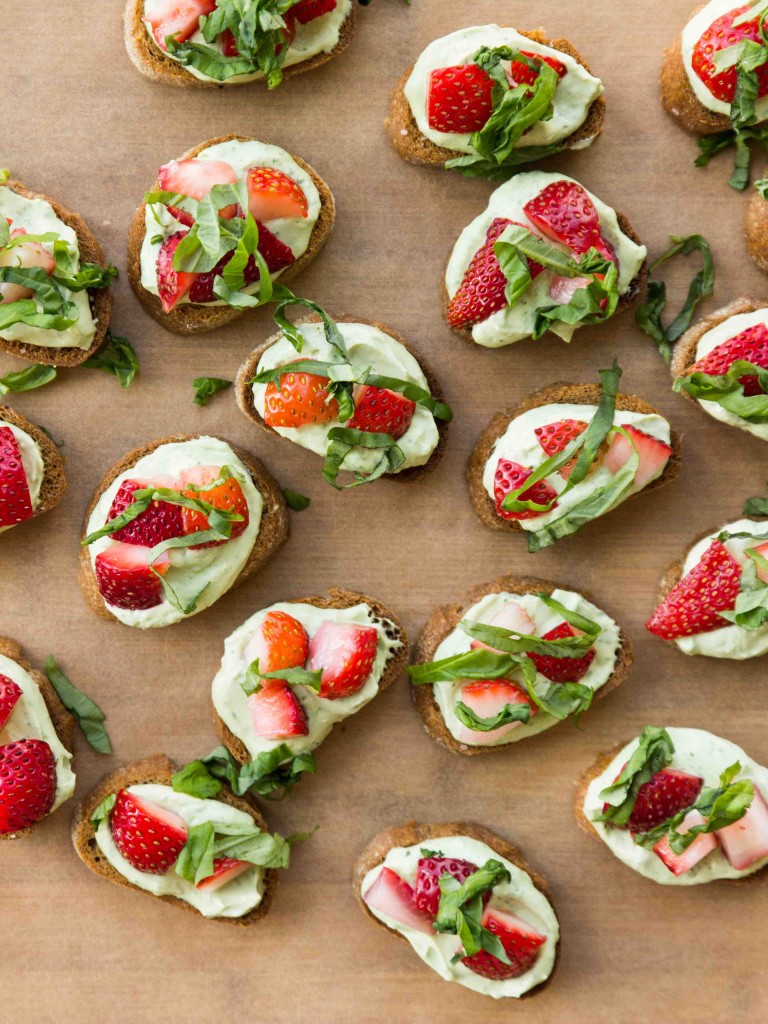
[412, 832]
[249, 369]
[155, 769]
[100, 298]
[578, 394]
[335, 598]
[273, 532]
[756, 230]
[54, 481]
[414, 147]
[152, 62]
[62, 721]
[196, 318]
[445, 619]
[681, 102]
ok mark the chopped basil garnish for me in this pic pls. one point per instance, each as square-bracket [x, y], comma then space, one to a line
[104, 810]
[118, 357]
[31, 377]
[207, 387]
[727, 391]
[212, 840]
[460, 909]
[295, 501]
[508, 714]
[751, 609]
[89, 715]
[654, 752]
[252, 681]
[271, 775]
[756, 507]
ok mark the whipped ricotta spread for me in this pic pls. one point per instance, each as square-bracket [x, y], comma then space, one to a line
[574, 95]
[692, 33]
[31, 460]
[699, 753]
[518, 896]
[37, 217]
[295, 232]
[235, 899]
[231, 703]
[215, 567]
[730, 641]
[321, 35]
[606, 648]
[520, 444]
[367, 347]
[30, 720]
[513, 323]
[718, 335]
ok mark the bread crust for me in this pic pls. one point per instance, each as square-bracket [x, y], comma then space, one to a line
[336, 597]
[681, 102]
[100, 298]
[407, 140]
[446, 618]
[150, 60]
[156, 769]
[273, 531]
[248, 370]
[63, 723]
[756, 230]
[562, 392]
[54, 482]
[412, 832]
[196, 318]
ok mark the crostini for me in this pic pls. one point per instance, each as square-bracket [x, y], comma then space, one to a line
[430, 884]
[567, 455]
[544, 255]
[139, 830]
[679, 806]
[487, 99]
[556, 652]
[382, 412]
[174, 525]
[55, 300]
[222, 222]
[36, 737]
[209, 43]
[32, 477]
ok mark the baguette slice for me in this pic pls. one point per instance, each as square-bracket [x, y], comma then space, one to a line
[756, 230]
[273, 532]
[248, 370]
[335, 598]
[445, 619]
[100, 298]
[195, 318]
[54, 481]
[155, 769]
[407, 140]
[578, 394]
[412, 832]
[152, 62]
[62, 721]
[681, 102]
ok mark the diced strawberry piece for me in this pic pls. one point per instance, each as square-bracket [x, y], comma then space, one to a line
[562, 289]
[381, 411]
[228, 497]
[307, 10]
[229, 49]
[27, 255]
[125, 579]
[564, 212]
[177, 18]
[196, 178]
[701, 847]
[511, 475]
[15, 499]
[27, 784]
[172, 285]
[160, 522]
[487, 697]
[762, 549]
[555, 438]
[277, 255]
[10, 693]
[692, 606]
[750, 345]
[394, 898]
[279, 641]
[148, 836]
[276, 712]
[520, 74]
[429, 872]
[562, 670]
[719, 36]
[225, 870]
[273, 194]
[521, 942]
[660, 799]
[654, 455]
[459, 99]
[746, 840]
[345, 651]
[301, 398]
[513, 617]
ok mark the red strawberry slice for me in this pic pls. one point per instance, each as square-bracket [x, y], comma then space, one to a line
[750, 345]
[160, 522]
[276, 712]
[392, 896]
[10, 693]
[555, 438]
[487, 697]
[562, 670]
[521, 74]
[225, 869]
[381, 411]
[228, 497]
[521, 942]
[719, 36]
[429, 872]
[565, 213]
[301, 398]
[15, 499]
[172, 285]
[701, 847]
[177, 18]
[149, 836]
[279, 641]
[124, 578]
[511, 475]
[345, 651]
[459, 99]
[746, 840]
[659, 799]
[196, 178]
[307, 10]
[653, 453]
[692, 605]
[27, 784]
[277, 255]
[273, 194]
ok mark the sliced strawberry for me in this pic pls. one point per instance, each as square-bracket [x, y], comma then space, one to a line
[555, 438]
[762, 549]
[10, 693]
[487, 697]
[172, 285]
[177, 18]
[719, 36]
[276, 712]
[273, 194]
[520, 74]
[279, 641]
[27, 784]
[660, 799]
[430, 870]
[381, 411]
[511, 616]
[148, 836]
[26, 255]
[160, 522]
[15, 499]
[196, 178]
[228, 497]
[746, 840]
[750, 345]
[393, 897]
[345, 651]
[692, 606]
[564, 212]
[654, 455]
[562, 670]
[459, 99]
[277, 255]
[125, 579]
[521, 943]
[307, 10]
[229, 49]
[701, 847]
[225, 870]
[511, 475]
[301, 398]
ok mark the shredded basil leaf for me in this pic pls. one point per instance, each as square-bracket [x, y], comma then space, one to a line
[118, 357]
[727, 391]
[207, 387]
[28, 379]
[461, 907]
[710, 145]
[295, 501]
[508, 714]
[654, 752]
[104, 810]
[271, 775]
[252, 681]
[89, 715]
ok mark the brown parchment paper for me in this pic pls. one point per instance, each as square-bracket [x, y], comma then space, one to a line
[81, 124]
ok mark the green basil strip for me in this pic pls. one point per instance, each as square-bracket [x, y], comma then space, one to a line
[89, 715]
[414, 393]
[212, 840]
[478, 663]
[57, 313]
[654, 752]
[252, 681]
[341, 441]
[207, 387]
[726, 390]
[591, 304]
[509, 713]
[476, 167]
[710, 145]
[295, 501]
[460, 909]
[271, 775]
[118, 357]
[28, 379]
[508, 642]
[104, 810]
[756, 507]
[588, 626]
[332, 333]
